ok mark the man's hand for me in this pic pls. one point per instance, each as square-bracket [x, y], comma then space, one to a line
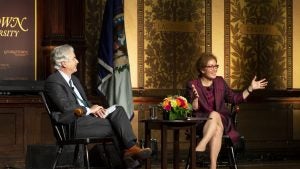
[98, 111]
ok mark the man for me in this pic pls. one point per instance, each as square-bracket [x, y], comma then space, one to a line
[66, 94]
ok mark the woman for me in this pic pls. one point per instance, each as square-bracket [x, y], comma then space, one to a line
[208, 95]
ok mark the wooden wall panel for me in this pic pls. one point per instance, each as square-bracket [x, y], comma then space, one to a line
[296, 124]
[54, 18]
[11, 120]
[75, 22]
[269, 120]
[23, 121]
[63, 22]
[46, 134]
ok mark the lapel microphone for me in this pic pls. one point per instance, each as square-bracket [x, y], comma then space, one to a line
[71, 84]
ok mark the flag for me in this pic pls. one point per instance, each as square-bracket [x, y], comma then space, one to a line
[114, 72]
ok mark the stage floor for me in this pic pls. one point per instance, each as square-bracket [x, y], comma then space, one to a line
[244, 165]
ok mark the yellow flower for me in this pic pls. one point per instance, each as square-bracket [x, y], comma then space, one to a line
[174, 103]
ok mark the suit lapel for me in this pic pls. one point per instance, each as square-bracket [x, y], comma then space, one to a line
[63, 82]
[75, 83]
[61, 79]
[79, 88]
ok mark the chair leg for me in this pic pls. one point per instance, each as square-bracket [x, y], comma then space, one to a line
[59, 152]
[231, 156]
[76, 154]
[106, 156]
[87, 156]
[188, 160]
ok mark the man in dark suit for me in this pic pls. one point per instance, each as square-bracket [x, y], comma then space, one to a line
[66, 94]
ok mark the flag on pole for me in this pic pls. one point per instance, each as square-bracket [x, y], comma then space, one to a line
[114, 72]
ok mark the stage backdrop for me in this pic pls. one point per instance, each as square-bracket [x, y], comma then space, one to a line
[258, 41]
[17, 39]
[171, 35]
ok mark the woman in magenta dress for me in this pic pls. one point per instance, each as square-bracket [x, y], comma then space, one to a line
[209, 94]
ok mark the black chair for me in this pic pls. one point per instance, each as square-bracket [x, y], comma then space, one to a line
[65, 135]
[228, 148]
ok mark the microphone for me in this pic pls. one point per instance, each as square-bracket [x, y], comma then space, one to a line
[71, 84]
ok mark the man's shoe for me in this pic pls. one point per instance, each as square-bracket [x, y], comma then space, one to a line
[138, 153]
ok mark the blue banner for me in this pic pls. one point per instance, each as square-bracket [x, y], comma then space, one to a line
[114, 72]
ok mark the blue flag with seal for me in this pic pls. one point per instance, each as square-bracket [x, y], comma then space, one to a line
[114, 72]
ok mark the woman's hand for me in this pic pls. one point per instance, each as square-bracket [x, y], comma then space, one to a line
[195, 104]
[257, 84]
[196, 95]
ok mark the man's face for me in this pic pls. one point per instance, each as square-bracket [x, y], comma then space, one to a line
[70, 65]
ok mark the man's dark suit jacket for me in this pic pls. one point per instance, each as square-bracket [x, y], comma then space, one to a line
[62, 100]
[61, 97]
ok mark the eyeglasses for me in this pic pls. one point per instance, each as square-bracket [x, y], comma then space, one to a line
[212, 67]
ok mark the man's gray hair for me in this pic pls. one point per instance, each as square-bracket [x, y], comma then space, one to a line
[60, 54]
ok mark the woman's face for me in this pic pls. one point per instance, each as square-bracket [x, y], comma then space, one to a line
[210, 71]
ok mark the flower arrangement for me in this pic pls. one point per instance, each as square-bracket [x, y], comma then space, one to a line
[176, 107]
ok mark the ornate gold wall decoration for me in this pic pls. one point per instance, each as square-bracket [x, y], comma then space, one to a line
[171, 34]
[258, 41]
[93, 21]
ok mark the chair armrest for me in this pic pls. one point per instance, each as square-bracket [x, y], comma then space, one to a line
[235, 109]
[78, 112]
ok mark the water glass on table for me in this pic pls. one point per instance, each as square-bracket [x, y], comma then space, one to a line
[153, 112]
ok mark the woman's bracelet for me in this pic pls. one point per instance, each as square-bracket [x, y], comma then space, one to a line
[248, 90]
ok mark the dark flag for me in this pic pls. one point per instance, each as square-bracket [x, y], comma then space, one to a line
[114, 72]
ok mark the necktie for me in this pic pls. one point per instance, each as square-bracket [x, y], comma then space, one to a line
[76, 93]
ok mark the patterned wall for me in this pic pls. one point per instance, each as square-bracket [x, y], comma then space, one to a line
[258, 41]
[172, 33]
[93, 21]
